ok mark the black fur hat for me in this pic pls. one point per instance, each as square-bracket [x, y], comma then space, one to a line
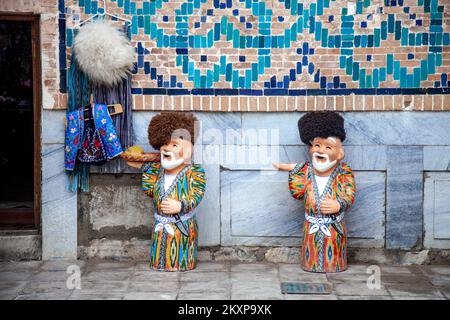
[321, 124]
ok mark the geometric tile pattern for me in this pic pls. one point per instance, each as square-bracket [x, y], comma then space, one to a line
[282, 47]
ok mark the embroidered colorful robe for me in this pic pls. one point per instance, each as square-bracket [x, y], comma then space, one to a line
[172, 250]
[321, 252]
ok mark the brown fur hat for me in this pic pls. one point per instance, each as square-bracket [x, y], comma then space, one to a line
[163, 125]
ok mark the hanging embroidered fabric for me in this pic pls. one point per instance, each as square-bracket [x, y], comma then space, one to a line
[99, 140]
[92, 149]
[74, 136]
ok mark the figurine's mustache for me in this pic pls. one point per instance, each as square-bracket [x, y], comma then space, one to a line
[321, 156]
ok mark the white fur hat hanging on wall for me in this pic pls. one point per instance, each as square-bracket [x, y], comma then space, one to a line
[104, 53]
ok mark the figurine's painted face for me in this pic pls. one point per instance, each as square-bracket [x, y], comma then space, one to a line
[326, 153]
[175, 152]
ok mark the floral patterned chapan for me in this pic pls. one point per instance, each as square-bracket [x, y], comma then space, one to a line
[324, 247]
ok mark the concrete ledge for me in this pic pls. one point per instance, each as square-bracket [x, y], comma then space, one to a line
[20, 247]
[135, 249]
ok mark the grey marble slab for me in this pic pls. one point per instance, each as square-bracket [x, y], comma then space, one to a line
[436, 158]
[257, 209]
[436, 212]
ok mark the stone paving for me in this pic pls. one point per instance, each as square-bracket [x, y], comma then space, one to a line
[213, 280]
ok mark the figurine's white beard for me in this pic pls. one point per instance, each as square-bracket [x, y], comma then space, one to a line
[322, 166]
[170, 164]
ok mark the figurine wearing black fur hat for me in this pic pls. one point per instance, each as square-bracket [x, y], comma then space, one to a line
[326, 186]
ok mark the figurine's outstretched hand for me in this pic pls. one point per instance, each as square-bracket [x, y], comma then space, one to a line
[284, 166]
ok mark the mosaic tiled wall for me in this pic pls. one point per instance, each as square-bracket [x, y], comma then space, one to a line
[281, 55]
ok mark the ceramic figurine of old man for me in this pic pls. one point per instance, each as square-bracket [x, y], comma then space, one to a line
[326, 186]
[176, 186]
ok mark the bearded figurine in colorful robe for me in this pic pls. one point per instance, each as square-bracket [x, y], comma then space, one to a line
[176, 186]
[326, 186]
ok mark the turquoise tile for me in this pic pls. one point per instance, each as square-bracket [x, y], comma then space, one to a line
[349, 66]
[362, 78]
[376, 82]
[377, 38]
[210, 39]
[342, 62]
[294, 32]
[403, 77]
[216, 74]
[423, 69]
[438, 59]
[69, 37]
[318, 31]
[234, 82]
[355, 71]
[146, 24]
[404, 37]
[228, 74]
[431, 63]
[319, 7]
[396, 70]
[287, 38]
[324, 37]
[417, 77]
[383, 30]
[412, 39]
[223, 60]
[410, 81]
[267, 61]
[236, 38]
[248, 79]
[391, 23]
[398, 30]
[369, 81]
[254, 72]
[418, 39]
[382, 74]
[390, 63]
[230, 32]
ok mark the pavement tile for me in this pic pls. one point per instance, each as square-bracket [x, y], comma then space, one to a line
[256, 290]
[61, 265]
[20, 266]
[15, 276]
[436, 269]
[204, 276]
[107, 275]
[302, 277]
[152, 275]
[350, 288]
[126, 266]
[37, 287]
[412, 290]
[417, 298]
[223, 295]
[44, 296]
[11, 286]
[97, 296]
[160, 286]
[50, 276]
[404, 279]
[397, 269]
[357, 297]
[205, 287]
[439, 280]
[310, 297]
[208, 266]
[102, 286]
[151, 296]
[255, 267]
